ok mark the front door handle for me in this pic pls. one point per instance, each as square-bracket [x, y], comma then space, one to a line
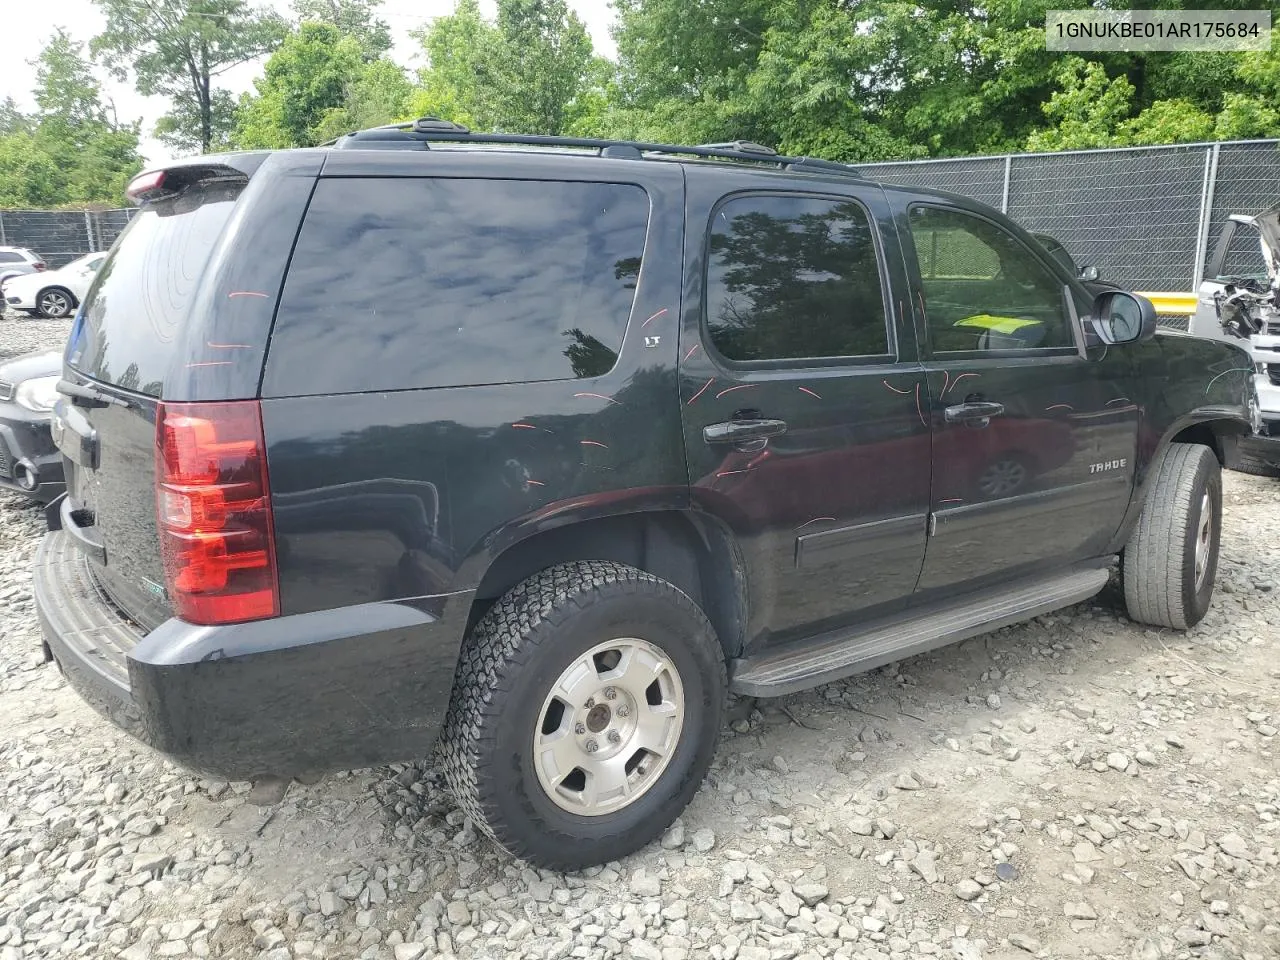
[742, 431]
[975, 412]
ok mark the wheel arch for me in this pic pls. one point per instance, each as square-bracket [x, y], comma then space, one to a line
[693, 551]
[1218, 429]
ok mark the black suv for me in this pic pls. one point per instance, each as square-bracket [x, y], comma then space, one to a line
[539, 447]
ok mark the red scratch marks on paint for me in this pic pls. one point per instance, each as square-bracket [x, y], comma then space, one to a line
[895, 389]
[1118, 400]
[534, 483]
[597, 396]
[919, 409]
[741, 386]
[228, 346]
[1059, 406]
[208, 363]
[247, 293]
[946, 379]
[692, 351]
[728, 473]
[700, 392]
[961, 377]
[594, 443]
[812, 393]
[654, 317]
[524, 426]
[814, 520]
[952, 500]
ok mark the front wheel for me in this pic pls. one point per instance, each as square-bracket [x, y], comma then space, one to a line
[585, 713]
[1172, 556]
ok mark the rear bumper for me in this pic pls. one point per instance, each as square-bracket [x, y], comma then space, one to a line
[329, 690]
[26, 447]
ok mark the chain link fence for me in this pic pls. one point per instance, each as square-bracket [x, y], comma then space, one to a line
[60, 236]
[1146, 217]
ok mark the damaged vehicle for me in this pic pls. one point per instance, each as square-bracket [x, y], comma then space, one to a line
[1237, 302]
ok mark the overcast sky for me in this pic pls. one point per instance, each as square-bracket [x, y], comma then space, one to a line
[27, 25]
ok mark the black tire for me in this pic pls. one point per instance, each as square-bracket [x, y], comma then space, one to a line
[65, 300]
[508, 665]
[1159, 566]
[1256, 466]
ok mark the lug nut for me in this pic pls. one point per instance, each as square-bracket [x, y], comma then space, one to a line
[610, 693]
[591, 702]
[623, 711]
[592, 746]
[614, 736]
[579, 728]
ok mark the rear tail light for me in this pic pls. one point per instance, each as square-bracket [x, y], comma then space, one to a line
[39, 265]
[213, 507]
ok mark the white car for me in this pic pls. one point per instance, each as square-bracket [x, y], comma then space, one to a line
[53, 293]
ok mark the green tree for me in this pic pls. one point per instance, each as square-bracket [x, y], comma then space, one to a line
[177, 49]
[380, 94]
[1089, 109]
[353, 18]
[521, 74]
[72, 149]
[302, 82]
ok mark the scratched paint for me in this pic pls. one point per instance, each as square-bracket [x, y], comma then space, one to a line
[1248, 370]
[1059, 406]
[959, 378]
[247, 293]
[895, 389]
[952, 500]
[534, 483]
[692, 351]
[524, 426]
[812, 393]
[1118, 400]
[228, 346]
[815, 520]
[919, 409]
[700, 392]
[597, 396]
[594, 443]
[741, 386]
[654, 317]
[729, 473]
[208, 363]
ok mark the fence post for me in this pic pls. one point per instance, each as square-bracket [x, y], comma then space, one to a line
[88, 232]
[3, 240]
[1206, 214]
[1004, 196]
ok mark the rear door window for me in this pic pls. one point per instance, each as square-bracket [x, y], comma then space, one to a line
[402, 284]
[127, 332]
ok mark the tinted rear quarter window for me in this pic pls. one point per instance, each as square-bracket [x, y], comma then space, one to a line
[433, 282]
[10, 257]
[140, 297]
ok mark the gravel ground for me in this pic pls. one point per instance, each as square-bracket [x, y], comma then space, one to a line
[1078, 786]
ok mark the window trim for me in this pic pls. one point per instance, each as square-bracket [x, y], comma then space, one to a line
[1069, 309]
[796, 363]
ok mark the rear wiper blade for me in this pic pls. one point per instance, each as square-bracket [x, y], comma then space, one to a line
[92, 396]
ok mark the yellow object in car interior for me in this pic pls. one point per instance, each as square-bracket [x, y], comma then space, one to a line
[1007, 325]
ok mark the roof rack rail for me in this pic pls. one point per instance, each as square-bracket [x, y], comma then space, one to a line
[420, 132]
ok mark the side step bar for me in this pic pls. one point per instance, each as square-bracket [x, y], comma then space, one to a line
[840, 653]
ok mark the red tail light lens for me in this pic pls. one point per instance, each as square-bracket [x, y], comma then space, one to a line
[39, 265]
[213, 508]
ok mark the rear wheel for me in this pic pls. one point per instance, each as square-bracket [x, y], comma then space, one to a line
[1172, 556]
[585, 712]
[55, 302]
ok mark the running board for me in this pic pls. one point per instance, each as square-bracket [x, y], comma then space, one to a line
[839, 653]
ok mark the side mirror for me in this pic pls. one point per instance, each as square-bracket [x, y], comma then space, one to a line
[1089, 273]
[1120, 317]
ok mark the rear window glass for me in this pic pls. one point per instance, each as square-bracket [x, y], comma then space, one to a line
[10, 257]
[410, 283]
[127, 330]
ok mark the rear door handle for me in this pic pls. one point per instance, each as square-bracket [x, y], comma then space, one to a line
[977, 412]
[741, 431]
